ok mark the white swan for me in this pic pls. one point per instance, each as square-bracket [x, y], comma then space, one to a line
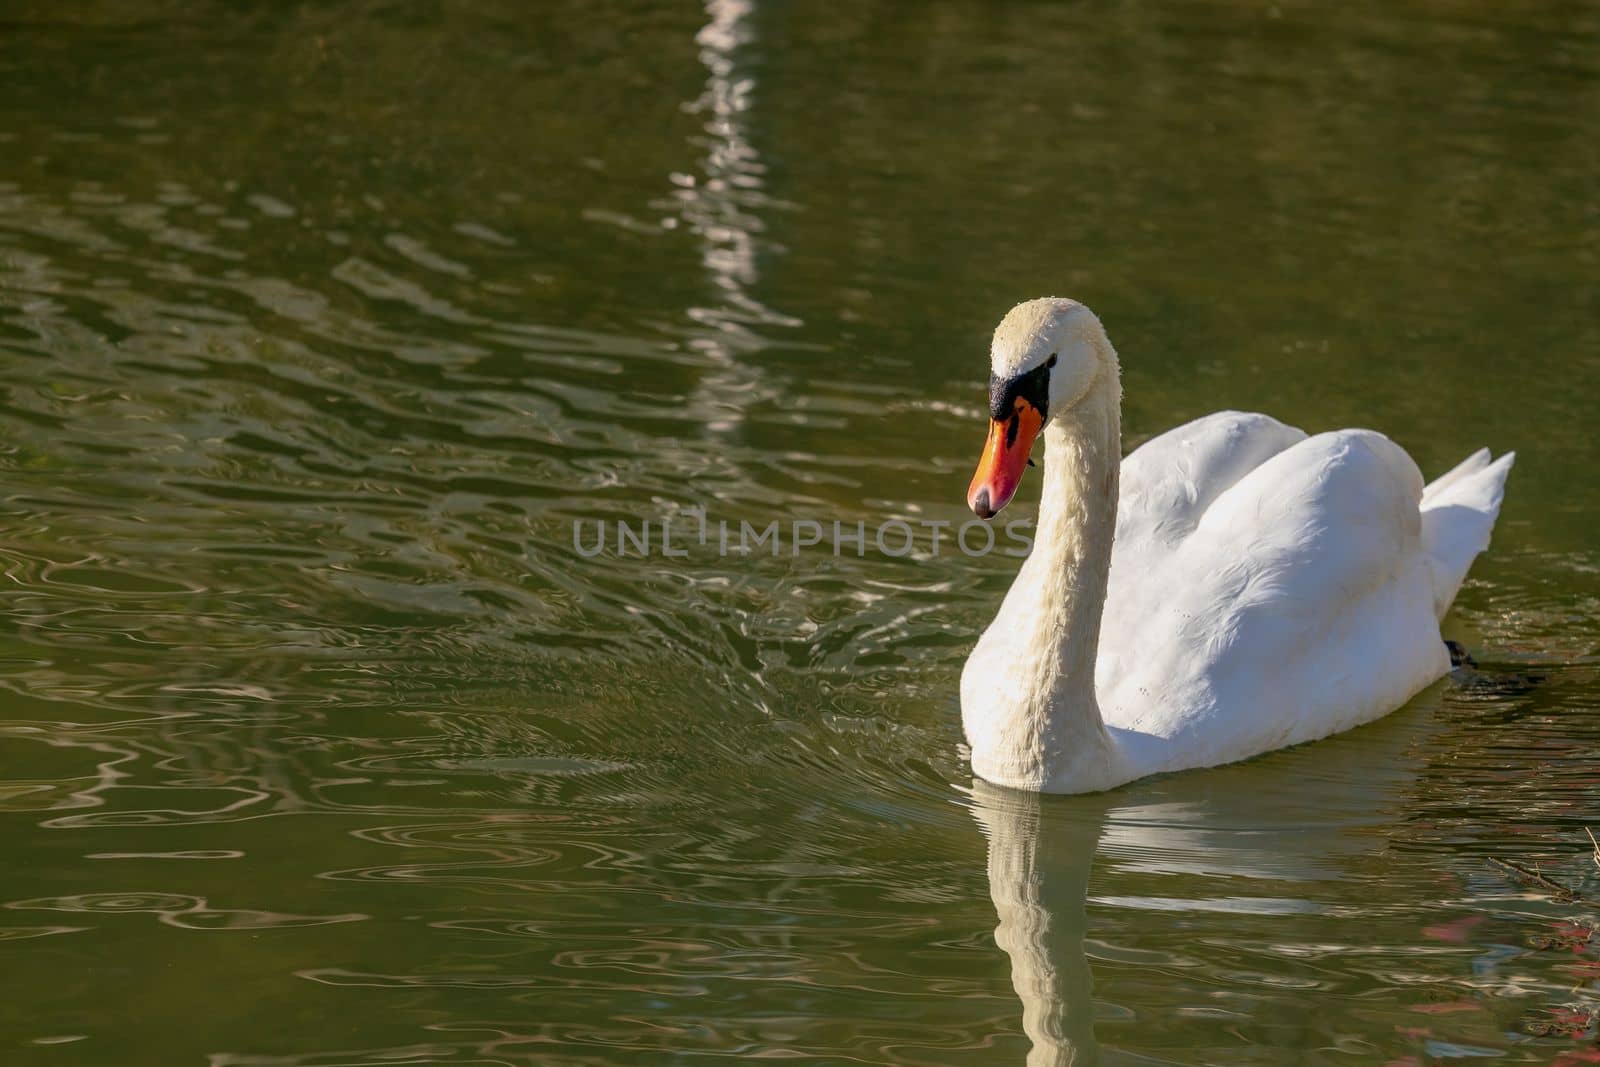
[1249, 588]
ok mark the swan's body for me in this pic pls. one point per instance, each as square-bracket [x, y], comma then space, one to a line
[1247, 588]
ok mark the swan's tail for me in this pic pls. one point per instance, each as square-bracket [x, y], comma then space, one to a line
[1458, 511]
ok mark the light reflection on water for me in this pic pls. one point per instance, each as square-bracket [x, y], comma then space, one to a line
[322, 746]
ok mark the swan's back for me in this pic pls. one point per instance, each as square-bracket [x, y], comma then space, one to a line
[1269, 588]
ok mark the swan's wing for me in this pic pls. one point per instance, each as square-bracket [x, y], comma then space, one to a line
[1169, 481]
[1293, 602]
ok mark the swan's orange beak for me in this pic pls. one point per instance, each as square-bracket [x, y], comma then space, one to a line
[1004, 457]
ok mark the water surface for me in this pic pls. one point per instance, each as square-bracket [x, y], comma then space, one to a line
[321, 326]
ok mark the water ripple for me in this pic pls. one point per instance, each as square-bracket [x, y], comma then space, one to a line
[320, 341]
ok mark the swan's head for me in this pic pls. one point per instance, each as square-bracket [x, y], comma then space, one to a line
[1046, 356]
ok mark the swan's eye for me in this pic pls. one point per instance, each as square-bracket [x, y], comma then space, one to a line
[1051, 362]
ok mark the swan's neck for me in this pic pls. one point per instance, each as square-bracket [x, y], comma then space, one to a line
[1077, 518]
[1043, 728]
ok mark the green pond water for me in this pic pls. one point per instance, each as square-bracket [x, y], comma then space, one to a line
[321, 325]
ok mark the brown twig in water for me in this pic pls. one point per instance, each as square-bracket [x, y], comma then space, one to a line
[1596, 844]
[1561, 892]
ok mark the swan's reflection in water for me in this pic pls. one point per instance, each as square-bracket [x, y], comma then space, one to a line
[1038, 878]
[1301, 816]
